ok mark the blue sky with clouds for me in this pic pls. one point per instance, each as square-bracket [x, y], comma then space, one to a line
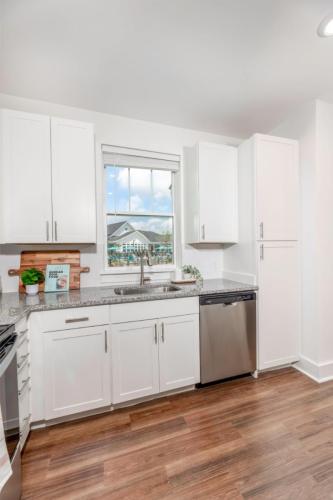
[140, 190]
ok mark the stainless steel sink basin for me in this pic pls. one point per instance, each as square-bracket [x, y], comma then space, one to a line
[146, 290]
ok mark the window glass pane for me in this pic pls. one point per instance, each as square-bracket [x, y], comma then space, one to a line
[117, 189]
[162, 191]
[128, 234]
[140, 182]
[111, 173]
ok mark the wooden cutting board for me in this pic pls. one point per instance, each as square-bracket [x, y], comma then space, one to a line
[39, 260]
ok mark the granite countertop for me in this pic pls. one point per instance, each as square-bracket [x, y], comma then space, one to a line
[14, 306]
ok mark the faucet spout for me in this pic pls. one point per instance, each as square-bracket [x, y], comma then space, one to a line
[143, 255]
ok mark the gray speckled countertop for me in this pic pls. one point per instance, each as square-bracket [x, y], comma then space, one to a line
[14, 306]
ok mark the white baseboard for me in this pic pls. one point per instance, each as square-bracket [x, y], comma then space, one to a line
[247, 278]
[319, 372]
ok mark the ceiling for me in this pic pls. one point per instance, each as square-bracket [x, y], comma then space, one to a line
[226, 66]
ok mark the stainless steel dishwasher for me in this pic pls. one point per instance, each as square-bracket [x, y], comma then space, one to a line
[227, 335]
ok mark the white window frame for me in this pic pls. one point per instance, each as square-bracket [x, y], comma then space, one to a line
[159, 268]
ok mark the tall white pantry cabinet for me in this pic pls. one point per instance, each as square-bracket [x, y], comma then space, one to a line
[268, 250]
[47, 179]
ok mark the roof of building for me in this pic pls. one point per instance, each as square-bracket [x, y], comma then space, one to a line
[151, 236]
[112, 228]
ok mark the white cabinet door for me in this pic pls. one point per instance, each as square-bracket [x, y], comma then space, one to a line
[134, 360]
[276, 188]
[218, 193]
[179, 352]
[25, 178]
[279, 303]
[77, 371]
[73, 181]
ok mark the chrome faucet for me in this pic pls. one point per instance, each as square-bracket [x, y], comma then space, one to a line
[143, 255]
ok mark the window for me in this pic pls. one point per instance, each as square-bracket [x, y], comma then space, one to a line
[139, 207]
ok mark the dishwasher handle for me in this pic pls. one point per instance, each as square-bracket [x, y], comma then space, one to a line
[226, 299]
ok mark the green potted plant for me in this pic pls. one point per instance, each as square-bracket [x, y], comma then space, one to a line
[190, 272]
[31, 278]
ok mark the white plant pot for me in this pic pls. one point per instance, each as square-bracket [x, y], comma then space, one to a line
[31, 289]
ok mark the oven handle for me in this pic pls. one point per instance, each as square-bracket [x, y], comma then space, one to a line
[9, 358]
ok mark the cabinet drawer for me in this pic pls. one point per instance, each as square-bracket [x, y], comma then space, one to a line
[67, 319]
[22, 347]
[138, 311]
[21, 326]
[24, 409]
[23, 372]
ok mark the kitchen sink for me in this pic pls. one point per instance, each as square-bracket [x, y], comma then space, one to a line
[146, 290]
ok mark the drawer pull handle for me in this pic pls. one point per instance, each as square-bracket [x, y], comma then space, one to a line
[25, 422]
[26, 419]
[21, 341]
[24, 385]
[77, 320]
[22, 361]
[21, 334]
[162, 331]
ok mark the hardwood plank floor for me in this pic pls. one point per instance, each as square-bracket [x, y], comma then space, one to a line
[270, 438]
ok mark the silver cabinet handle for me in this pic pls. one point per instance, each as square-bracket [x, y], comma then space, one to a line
[162, 334]
[203, 232]
[24, 385]
[261, 230]
[22, 340]
[22, 360]
[77, 320]
[55, 230]
[155, 333]
[105, 341]
[47, 231]
[261, 252]
[21, 334]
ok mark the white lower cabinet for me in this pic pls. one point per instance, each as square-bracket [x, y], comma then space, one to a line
[279, 304]
[154, 356]
[134, 360]
[86, 358]
[77, 371]
[179, 352]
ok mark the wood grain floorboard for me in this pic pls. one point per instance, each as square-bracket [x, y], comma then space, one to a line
[270, 438]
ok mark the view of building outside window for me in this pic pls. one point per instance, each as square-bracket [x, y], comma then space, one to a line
[139, 215]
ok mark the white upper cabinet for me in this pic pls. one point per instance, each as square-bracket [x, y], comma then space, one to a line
[47, 179]
[276, 161]
[73, 181]
[210, 187]
[25, 178]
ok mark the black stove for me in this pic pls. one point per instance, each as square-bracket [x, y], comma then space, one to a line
[7, 339]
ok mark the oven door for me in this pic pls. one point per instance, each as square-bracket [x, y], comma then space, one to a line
[10, 415]
[9, 397]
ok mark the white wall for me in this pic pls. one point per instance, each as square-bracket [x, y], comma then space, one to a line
[115, 130]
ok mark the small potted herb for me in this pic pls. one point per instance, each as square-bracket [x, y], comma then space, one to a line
[191, 272]
[31, 278]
